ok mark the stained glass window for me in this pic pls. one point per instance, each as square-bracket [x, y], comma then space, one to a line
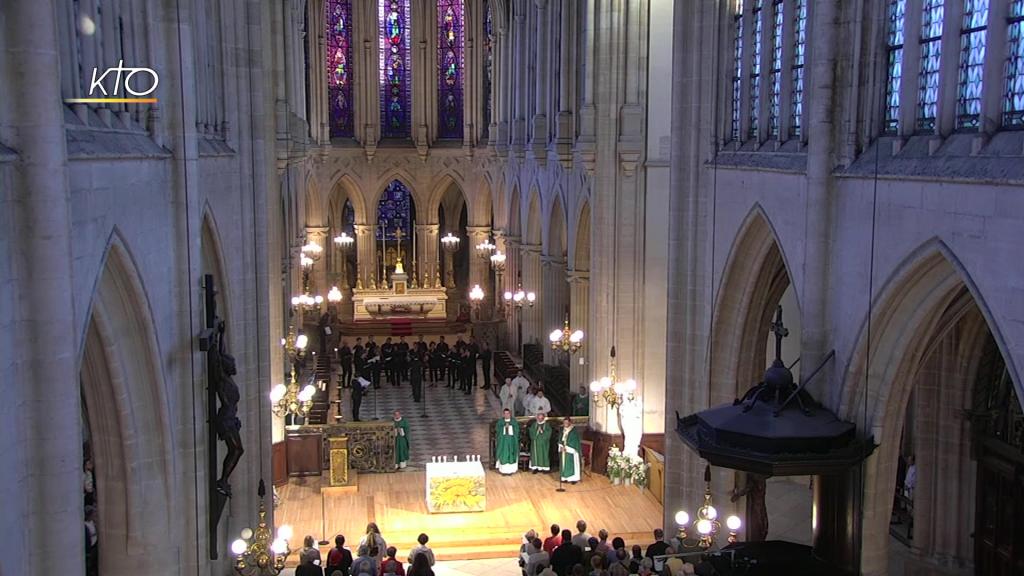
[395, 68]
[894, 64]
[797, 70]
[1013, 98]
[488, 64]
[775, 85]
[449, 62]
[394, 212]
[339, 66]
[737, 69]
[755, 71]
[931, 53]
[972, 61]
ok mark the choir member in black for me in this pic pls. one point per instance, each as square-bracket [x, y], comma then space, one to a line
[474, 355]
[345, 359]
[459, 343]
[485, 361]
[441, 351]
[358, 388]
[402, 359]
[322, 332]
[420, 349]
[387, 354]
[433, 363]
[454, 361]
[466, 370]
[375, 365]
[416, 376]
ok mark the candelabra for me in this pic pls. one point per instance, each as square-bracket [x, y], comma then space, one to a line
[517, 299]
[255, 552]
[498, 265]
[344, 243]
[301, 302]
[566, 340]
[476, 296]
[484, 249]
[289, 399]
[450, 244]
[707, 524]
[608, 390]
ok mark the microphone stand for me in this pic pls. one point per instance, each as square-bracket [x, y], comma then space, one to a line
[561, 462]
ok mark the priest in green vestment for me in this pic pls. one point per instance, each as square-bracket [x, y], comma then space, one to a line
[570, 449]
[540, 444]
[401, 441]
[506, 452]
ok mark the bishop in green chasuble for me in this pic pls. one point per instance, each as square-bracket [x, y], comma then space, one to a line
[540, 444]
[401, 441]
[569, 449]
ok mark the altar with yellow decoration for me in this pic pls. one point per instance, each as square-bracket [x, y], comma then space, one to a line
[455, 486]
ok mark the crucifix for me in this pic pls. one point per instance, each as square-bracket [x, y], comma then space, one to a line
[780, 332]
[398, 240]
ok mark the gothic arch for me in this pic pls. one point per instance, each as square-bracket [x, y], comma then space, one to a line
[345, 188]
[754, 279]
[515, 213]
[580, 254]
[557, 241]
[407, 180]
[444, 182]
[314, 209]
[123, 389]
[534, 232]
[907, 315]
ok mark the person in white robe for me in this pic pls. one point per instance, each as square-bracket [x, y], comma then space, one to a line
[540, 403]
[522, 385]
[507, 395]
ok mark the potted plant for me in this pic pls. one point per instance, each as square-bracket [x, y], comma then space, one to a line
[616, 469]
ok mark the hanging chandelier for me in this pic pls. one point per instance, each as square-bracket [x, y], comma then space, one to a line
[706, 524]
[566, 340]
[290, 399]
[255, 552]
[608, 391]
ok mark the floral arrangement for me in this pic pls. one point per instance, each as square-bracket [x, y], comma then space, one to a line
[630, 468]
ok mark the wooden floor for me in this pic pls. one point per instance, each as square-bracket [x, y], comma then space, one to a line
[515, 504]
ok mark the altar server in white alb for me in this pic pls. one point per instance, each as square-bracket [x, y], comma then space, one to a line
[506, 451]
[507, 394]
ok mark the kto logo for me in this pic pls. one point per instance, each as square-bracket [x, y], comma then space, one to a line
[130, 86]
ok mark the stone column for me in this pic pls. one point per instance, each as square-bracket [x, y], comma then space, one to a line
[518, 89]
[532, 317]
[579, 301]
[538, 145]
[513, 271]
[502, 89]
[366, 254]
[565, 124]
[554, 304]
[42, 441]
[427, 261]
[498, 287]
[318, 273]
[479, 268]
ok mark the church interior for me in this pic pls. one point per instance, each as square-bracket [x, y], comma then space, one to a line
[514, 287]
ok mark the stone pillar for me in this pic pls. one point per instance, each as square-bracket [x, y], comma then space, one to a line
[532, 317]
[554, 288]
[498, 286]
[43, 440]
[518, 90]
[502, 89]
[513, 272]
[541, 82]
[579, 302]
[479, 268]
[427, 261]
[366, 254]
[565, 124]
[318, 273]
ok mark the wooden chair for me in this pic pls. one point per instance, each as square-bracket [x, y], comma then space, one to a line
[587, 456]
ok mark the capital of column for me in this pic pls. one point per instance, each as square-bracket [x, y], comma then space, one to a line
[530, 249]
[362, 229]
[513, 240]
[316, 232]
[428, 228]
[499, 233]
[580, 277]
[549, 261]
[481, 232]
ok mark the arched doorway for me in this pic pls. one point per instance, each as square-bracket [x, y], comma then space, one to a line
[396, 221]
[453, 218]
[554, 282]
[126, 416]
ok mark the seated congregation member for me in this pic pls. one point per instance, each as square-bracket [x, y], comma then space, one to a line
[636, 559]
[581, 538]
[422, 549]
[308, 567]
[374, 540]
[339, 558]
[420, 567]
[612, 556]
[366, 563]
[537, 559]
[596, 566]
[309, 549]
[391, 566]
[566, 555]
[602, 542]
[506, 451]
[659, 546]
[553, 541]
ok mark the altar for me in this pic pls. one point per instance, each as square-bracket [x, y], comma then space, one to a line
[401, 299]
[455, 487]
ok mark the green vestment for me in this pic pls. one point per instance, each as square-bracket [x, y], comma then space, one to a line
[401, 442]
[506, 451]
[571, 454]
[540, 446]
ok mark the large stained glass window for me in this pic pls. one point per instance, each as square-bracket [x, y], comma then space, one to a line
[972, 63]
[488, 65]
[449, 73]
[395, 68]
[797, 70]
[339, 66]
[737, 69]
[1013, 98]
[931, 53]
[894, 64]
[394, 212]
[775, 80]
[755, 71]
